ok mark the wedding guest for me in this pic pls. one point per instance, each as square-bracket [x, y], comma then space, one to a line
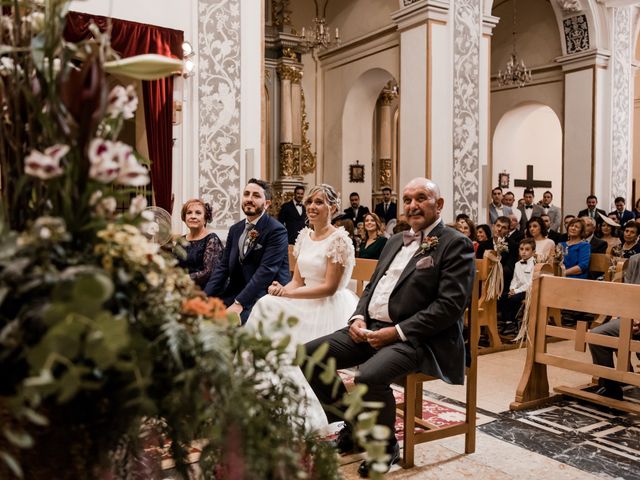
[204, 248]
[577, 251]
[497, 207]
[609, 233]
[468, 229]
[537, 230]
[528, 209]
[356, 212]
[622, 214]
[293, 215]
[630, 245]
[636, 209]
[483, 233]
[551, 210]
[386, 210]
[255, 254]
[511, 301]
[374, 239]
[551, 234]
[347, 224]
[597, 245]
[563, 236]
[592, 210]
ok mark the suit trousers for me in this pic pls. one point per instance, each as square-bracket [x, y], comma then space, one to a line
[378, 369]
[604, 355]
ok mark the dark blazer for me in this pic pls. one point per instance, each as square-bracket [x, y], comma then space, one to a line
[266, 260]
[555, 236]
[585, 213]
[598, 245]
[625, 217]
[392, 211]
[374, 250]
[292, 220]
[362, 211]
[428, 303]
[537, 211]
[508, 259]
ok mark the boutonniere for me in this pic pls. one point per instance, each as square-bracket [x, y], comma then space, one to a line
[427, 245]
[253, 234]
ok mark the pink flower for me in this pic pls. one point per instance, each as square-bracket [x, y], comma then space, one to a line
[122, 101]
[131, 174]
[45, 165]
[103, 156]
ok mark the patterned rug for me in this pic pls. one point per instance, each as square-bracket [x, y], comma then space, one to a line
[587, 436]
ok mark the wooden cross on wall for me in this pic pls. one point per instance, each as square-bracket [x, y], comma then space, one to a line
[529, 182]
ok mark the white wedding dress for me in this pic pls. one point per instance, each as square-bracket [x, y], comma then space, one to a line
[316, 317]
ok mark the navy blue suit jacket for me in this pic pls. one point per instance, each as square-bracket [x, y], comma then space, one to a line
[266, 260]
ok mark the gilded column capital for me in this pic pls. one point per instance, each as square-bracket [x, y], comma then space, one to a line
[287, 160]
[288, 72]
[280, 13]
[388, 96]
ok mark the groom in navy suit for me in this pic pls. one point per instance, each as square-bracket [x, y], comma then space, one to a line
[410, 316]
[256, 254]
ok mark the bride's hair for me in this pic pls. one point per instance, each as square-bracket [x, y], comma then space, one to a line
[329, 194]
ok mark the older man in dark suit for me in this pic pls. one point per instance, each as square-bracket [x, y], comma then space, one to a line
[256, 254]
[410, 316]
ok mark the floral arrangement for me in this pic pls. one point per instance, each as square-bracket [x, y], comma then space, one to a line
[107, 347]
[427, 245]
[495, 277]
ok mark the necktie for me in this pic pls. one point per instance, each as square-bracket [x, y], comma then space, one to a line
[243, 243]
[408, 238]
[386, 207]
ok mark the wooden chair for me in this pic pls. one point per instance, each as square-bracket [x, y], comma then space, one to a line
[599, 263]
[602, 298]
[362, 272]
[411, 408]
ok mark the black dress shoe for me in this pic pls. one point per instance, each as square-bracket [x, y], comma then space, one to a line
[611, 391]
[392, 450]
[344, 443]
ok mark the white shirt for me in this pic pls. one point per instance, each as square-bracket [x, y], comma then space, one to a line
[499, 210]
[522, 276]
[517, 213]
[379, 303]
[528, 211]
[298, 208]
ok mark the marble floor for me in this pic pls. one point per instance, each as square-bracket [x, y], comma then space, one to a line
[495, 458]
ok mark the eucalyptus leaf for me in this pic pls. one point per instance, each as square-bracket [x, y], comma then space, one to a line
[69, 384]
[301, 355]
[329, 372]
[35, 417]
[20, 439]
[320, 352]
[12, 463]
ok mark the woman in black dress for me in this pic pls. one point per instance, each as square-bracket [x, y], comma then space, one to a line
[204, 248]
[374, 239]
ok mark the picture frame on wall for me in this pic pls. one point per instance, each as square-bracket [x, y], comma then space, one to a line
[356, 173]
[503, 180]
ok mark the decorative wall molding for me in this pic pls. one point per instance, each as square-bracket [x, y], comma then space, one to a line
[569, 6]
[622, 102]
[219, 108]
[576, 34]
[466, 106]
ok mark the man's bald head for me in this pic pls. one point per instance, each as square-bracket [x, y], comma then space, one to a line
[422, 202]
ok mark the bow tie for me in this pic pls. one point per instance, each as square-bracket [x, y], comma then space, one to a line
[408, 238]
[528, 206]
[545, 206]
[524, 262]
[298, 204]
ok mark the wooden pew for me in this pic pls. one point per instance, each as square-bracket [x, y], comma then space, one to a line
[362, 272]
[600, 263]
[487, 309]
[601, 298]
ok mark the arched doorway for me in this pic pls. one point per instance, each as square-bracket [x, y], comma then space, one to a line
[529, 134]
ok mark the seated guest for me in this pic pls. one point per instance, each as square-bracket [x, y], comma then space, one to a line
[630, 245]
[374, 239]
[576, 250]
[604, 355]
[256, 254]
[609, 233]
[483, 233]
[592, 210]
[355, 212]
[204, 248]
[511, 301]
[510, 257]
[622, 214]
[409, 318]
[466, 227]
[597, 245]
[347, 224]
[537, 230]
[552, 235]
[567, 219]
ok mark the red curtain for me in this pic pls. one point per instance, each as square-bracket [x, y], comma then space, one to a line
[129, 39]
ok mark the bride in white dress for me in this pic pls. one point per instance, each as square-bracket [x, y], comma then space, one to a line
[317, 295]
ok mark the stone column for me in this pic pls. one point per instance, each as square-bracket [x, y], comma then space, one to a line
[296, 118]
[287, 164]
[385, 168]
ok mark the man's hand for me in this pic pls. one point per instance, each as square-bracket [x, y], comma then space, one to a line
[383, 337]
[355, 332]
[234, 308]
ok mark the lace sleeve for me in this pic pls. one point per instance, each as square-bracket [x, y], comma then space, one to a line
[212, 255]
[341, 248]
[300, 240]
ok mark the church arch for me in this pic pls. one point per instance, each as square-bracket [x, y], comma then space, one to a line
[530, 134]
[358, 133]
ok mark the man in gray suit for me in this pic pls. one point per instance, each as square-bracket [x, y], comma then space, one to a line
[604, 355]
[496, 208]
[555, 216]
[529, 209]
[410, 316]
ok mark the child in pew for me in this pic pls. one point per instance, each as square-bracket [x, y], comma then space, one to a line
[511, 301]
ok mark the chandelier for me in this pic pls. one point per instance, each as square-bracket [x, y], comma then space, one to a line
[516, 73]
[319, 35]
